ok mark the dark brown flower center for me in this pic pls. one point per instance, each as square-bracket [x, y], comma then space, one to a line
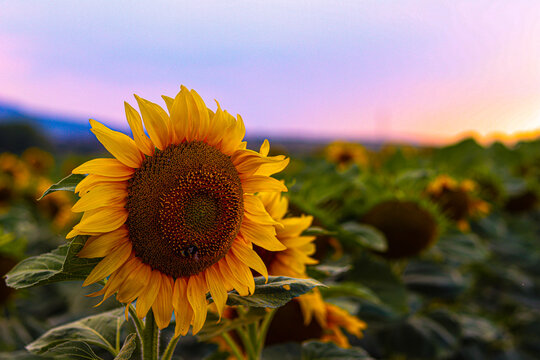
[408, 228]
[185, 207]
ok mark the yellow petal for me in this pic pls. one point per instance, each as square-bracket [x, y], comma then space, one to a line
[107, 195]
[257, 183]
[214, 282]
[227, 274]
[276, 204]
[162, 306]
[277, 164]
[255, 211]
[261, 235]
[234, 134]
[265, 148]
[180, 116]
[102, 220]
[217, 128]
[92, 181]
[249, 257]
[109, 264]
[296, 241]
[140, 138]
[119, 145]
[148, 296]
[202, 115]
[156, 121]
[241, 271]
[169, 101]
[104, 167]
[182, 308]
[196, 293]
[103, 245]
[294, 226]
[133, 283]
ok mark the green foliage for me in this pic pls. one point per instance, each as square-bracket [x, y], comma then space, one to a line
[314, 350]
[278, 291]
[74, 340]
[69, 183]
[366, 236]
[127, 349]
[62, 264]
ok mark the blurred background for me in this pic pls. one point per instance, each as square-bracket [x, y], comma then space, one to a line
[417, 71]
[413, 129]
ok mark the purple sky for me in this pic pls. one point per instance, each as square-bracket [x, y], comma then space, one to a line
[417, 70]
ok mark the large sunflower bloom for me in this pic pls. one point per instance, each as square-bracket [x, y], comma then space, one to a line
[174, 214]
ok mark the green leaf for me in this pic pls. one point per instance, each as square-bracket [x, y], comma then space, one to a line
[277, 292]
[127, 349]
[286, 351]
[99, 330]
[318, 231]
[366, 236]
[66, 184]
[73, 350]
[462, 248]
[315, 350]
[62, 264]
[213, 327]
[350, 289]
[378, 276]
[433, 280]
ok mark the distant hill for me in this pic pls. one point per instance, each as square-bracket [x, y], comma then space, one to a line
[57, 127]
[20, 129]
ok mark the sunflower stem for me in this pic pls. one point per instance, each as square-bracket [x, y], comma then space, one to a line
[139, 327]
[263, 330]
[249, 345]
[234, 348]
[169, 350]
[150, 338]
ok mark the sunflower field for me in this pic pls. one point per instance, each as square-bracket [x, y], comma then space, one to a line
[188, 239]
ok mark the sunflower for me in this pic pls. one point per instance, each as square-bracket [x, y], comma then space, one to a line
[289, 324]
[408, 226]
[345, 154]
[456, 199]
[15, 169]
[293, 259]
[39, 161]
[174, 214]
[328, 319]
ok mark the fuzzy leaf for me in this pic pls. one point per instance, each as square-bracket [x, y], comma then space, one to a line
[99, 330]
[277, 292]
[127, 349]
[73, 350]
[66, 184]
[62, 264]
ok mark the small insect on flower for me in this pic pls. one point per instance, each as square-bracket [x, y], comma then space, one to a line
[175, 214]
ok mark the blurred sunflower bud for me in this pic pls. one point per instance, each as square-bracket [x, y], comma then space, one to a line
[409, 228]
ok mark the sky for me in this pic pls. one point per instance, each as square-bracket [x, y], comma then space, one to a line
[423, 71]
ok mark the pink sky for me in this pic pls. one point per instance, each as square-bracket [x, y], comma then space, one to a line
[415, 70]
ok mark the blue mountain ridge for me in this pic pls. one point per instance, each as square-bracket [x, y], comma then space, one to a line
[58, 128]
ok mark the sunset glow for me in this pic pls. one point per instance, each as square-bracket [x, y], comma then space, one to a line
[406, 71]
